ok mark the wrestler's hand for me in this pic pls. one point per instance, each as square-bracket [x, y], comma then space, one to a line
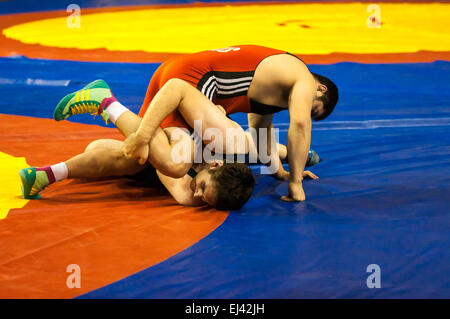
[309, 174]
[284, 175]
[296, 193]
[135, 147]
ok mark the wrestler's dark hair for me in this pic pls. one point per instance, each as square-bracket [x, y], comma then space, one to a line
[234, 184]
[330, 98]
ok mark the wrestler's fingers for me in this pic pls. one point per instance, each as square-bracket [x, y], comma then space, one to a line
[142, 160]
[143, 155]
[287, 199]
[126, 153]
[310, 174]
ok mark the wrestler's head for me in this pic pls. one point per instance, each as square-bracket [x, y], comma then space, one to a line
[224, 186]
[326, 98]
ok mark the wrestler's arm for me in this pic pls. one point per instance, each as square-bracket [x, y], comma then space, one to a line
[179, 189]
[165, 102]
[270, 155]
[299, 136]
[178, 95]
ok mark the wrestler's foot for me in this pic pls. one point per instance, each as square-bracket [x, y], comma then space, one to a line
[93, 98]
[34, 180]
[312, 160]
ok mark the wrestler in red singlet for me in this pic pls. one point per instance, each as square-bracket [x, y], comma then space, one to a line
[222, 75]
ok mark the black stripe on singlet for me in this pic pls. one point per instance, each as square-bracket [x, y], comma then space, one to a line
[225, 84]
[203, 80]
[264, 109]
[232, 84]
[233, 75]
[192, 173]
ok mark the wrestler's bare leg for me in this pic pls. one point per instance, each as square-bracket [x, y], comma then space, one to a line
[102, 158]
[129, 122]
[195, 108]
[161, 154]
[282, 150]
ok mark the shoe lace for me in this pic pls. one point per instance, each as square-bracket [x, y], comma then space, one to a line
[36, 188]
[84, 107]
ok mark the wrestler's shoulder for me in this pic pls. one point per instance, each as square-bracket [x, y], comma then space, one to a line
[283, 68]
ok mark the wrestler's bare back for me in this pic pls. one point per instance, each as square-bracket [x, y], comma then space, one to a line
[274, 78]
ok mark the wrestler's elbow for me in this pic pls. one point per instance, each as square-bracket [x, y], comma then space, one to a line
[175, 170]
[183, 198]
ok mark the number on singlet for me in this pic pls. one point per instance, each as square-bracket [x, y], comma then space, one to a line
[228, 49]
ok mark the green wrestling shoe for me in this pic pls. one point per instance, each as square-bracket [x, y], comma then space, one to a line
[313, 159]
[34, 180]
[93, 98]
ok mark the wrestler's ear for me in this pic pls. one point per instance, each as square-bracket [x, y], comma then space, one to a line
[215, 164]
[321, 89]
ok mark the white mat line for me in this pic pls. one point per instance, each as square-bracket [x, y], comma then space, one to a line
[34, 82]
[371, 124]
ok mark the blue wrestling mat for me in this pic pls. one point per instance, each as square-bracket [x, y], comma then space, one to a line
[382, 196]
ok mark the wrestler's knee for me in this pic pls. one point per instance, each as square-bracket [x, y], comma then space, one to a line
[124, 165]
[93, 145]
[113, 162]
[104, 144]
